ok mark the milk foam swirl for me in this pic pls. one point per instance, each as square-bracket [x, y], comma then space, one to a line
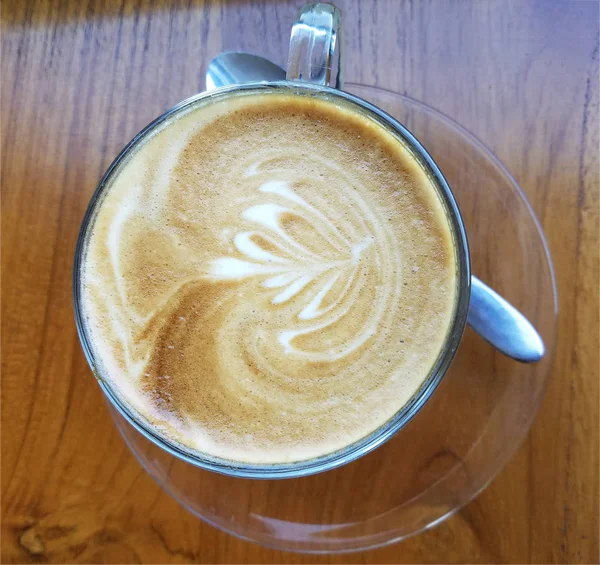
[296, 272]
[269, 295]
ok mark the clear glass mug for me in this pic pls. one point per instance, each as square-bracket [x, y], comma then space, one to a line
[314, 69]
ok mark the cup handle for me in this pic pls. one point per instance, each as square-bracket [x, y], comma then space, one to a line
[315, 53]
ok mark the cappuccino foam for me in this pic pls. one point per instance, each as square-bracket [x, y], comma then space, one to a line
[268, 278]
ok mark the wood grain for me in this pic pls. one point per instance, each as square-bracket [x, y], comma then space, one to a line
[80, 78]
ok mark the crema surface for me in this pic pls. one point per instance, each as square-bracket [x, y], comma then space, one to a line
[268, 278]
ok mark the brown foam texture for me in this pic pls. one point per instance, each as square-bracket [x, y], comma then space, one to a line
[269, 278]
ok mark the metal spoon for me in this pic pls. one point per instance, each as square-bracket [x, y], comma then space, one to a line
[238, 68]
[492, 317]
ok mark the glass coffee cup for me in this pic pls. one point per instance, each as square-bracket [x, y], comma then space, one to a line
[313, 70]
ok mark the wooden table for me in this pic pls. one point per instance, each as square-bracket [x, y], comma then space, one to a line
[81, 77]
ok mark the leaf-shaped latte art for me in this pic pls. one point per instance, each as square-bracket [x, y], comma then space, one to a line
[321, 287]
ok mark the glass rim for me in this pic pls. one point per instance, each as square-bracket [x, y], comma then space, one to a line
[407, 411]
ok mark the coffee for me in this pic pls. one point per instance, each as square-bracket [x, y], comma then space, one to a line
[268, 278]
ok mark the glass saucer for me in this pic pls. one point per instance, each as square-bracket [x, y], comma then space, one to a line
[464, 434]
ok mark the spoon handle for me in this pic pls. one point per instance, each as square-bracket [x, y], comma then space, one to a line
[502, 325]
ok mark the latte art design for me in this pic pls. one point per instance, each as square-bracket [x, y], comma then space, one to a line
[268, 279]
[323, 286]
